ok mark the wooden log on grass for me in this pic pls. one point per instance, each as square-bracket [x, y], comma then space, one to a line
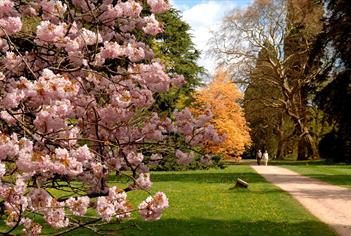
[241, 183]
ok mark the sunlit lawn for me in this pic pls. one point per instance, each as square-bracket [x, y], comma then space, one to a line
[201, 203]
[334, 174]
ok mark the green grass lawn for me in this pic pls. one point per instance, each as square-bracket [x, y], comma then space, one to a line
[201, 203]
[334, 174]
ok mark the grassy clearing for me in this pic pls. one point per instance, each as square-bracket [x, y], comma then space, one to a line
[334, 174]
[201, 203]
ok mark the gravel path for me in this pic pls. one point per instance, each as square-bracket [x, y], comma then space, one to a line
[330, 203]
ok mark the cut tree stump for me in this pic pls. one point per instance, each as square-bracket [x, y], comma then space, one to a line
[241, 183]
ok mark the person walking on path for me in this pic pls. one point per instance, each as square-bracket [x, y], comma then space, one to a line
[265, 158]
[259, 157]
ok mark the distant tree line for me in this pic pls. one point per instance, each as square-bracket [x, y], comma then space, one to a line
[292, 58]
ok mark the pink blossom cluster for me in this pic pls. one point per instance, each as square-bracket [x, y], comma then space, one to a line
[196, 130]
[132, 50]
[40, 200]
[30, 227]
[184, 158]
[8, 146]
[10, 21]
[53, 9]
[156, 129]
[60, 162]
[158, 6]
[76, 91]
[142, 182]
[78, 206]
[206, 160]
[2, 170]
[114, 205]
[135, 159]
[178, 80]
[152, 26]
[48, 88]
[152, 208]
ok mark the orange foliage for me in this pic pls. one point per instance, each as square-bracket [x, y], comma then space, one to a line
[221, 98]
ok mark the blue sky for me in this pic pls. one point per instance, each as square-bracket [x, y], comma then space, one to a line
[205, 16]
[191, 3]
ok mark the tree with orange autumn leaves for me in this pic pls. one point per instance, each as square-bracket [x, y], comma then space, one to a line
[221, 97]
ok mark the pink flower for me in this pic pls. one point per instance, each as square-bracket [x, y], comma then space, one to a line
[105, 209]
[49, 32]
[178, 81]
[13, 214]
[78, 206]
[6, 6]
[88, 37]
[152, 208]
[30, 228]
[2, 170]
[12, 99]
[130, 8]
[55, 215]
[184, 158]
[135, 159]
[53, 9]
[39, 199]
[52, 117]
[13, 62]
[156, 157]
[8, 146]
[134, 53]
[206, 160]
[142, 182]
[111, 13]
[153, 76]
[82, 153]
[112, 50]
[3, 46]
[114, 205]
[152, 25]
[158, 6]
[10, 25]
[52, 86]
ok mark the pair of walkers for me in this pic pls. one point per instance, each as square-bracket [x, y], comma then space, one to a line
[262, 157]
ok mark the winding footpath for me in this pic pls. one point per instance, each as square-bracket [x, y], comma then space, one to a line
[330, 203]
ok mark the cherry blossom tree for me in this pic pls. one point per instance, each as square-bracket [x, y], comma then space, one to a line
[76, 82]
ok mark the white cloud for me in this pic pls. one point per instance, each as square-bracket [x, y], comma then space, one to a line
[182, 6]
[203, 18]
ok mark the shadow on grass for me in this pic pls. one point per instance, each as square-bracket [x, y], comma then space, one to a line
[197, 226]
[341, 180]
[206, 177]
[283, 162]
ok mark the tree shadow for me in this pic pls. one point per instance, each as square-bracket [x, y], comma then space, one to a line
[283, 162]
[206, 177]
[316, 187]
[342, 180]
[199, 226]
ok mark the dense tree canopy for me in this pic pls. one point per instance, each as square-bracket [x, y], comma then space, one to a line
[176, 50]
[334, 95]
[77, 82]
[221, 98]
[285, 31]
[270, 128]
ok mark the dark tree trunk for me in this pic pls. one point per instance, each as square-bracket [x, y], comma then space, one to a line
[307, 148]
[281, 149]
[301, 150]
